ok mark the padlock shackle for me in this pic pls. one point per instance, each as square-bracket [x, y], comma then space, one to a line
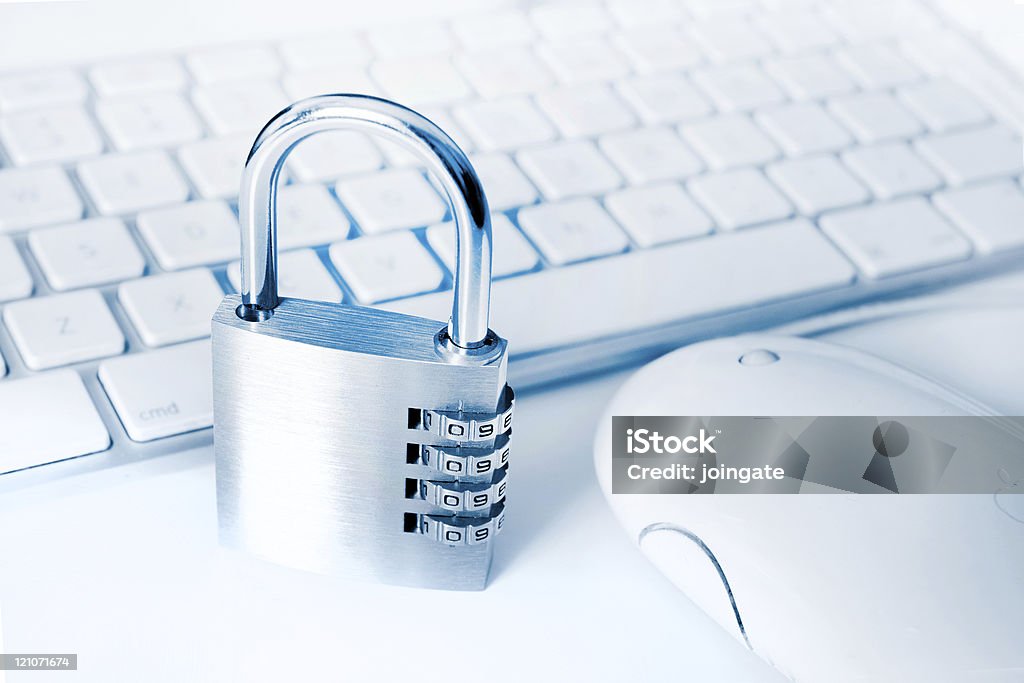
[257, 200]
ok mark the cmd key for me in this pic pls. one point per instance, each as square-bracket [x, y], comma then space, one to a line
[160, 393]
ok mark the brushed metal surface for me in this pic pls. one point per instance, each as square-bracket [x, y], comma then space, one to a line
[311, 436]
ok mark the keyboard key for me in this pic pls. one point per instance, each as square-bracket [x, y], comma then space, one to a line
[500, 73]
[333, 154]
[334, 79]
[944, 53]
[36, 196]
[391, 200]
[874, 117]
[47, 418]
[803, 128]
[125, 183]
[589, 301]
[657, 214]
[192, 234]
[979, 154]
[137, 76]
[740, 198]
[645, 12]
[34, 89]
[569, 169]
[156, 120]
[239, 106]
[171, 307]
[943, 105]
[650, 154]
[215, 165]
[504, 183]
[91, 252]
[300, 275]
[730, 141]
[790, 5]
[421, 80]
[63, 329]
[992, 214]
[865, 21]
[878, 66]
[574, 230]
[796, 31]
[729, 40]
[664, 98]
[387, 266]
[584, 111]
[816, 184]
[397, 156]
[48, 135]
[493, 29]
[738, 87]
[810, 77]
[308, 215]
[658, 49]
[583, 60]
[163, 392]
[333, 50]
[895, 237]
[410, 39]
[511, 254]
[220, 64]
[505, 124]
[15, 280]
[891, 170]
[561, 20]
[720, 10]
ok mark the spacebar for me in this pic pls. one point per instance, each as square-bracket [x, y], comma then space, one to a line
[642, 289]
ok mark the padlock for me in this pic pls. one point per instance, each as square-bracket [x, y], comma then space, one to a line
[356, 441]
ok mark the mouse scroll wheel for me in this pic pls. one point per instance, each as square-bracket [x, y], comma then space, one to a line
[759, 357]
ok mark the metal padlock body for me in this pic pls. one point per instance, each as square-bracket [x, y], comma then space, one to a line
[323, 423]
[327, 439]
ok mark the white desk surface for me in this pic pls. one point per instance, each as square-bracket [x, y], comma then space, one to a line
[123, 568]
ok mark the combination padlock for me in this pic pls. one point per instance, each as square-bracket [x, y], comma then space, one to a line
[357, 441]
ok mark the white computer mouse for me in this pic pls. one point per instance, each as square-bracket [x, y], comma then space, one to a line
[838, 587]
[977, 347]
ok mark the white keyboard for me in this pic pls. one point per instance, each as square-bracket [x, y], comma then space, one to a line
[659, 172]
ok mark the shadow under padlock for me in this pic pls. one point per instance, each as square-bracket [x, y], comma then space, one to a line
[357, 441]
